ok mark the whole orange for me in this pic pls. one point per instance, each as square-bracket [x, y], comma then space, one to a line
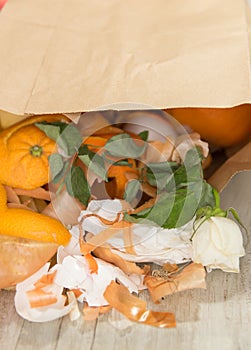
[222, 127]
[24, 152]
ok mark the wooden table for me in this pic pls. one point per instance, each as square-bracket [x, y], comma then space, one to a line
[216, 318]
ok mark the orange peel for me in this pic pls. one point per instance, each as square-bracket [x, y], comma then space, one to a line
[31, 225]
[21, 257]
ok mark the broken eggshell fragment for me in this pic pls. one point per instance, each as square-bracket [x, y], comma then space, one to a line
[151, 243]
[39, 298]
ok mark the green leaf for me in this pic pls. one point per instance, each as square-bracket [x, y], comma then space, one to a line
[163, 167]
[94, 161]
[159, 174]
[96, 165]
[181, 191]
[207, 195]
[123, 162]
[123, 145]
[66, 135]
[172, 176]
[62, 173]
[144, 135]
[191, 169]
[70, 140]
[159, 180]
[139, 218]
[174, 209]
[177, 180]
[183, 210]
[189, 172]
[61, 125]
[171, 210]
[77, 186]
[51, 130]
[132, 189]
[193, 157]
[56, 163]
[84, 150]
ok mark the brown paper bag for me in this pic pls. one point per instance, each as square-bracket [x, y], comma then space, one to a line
[63, 56]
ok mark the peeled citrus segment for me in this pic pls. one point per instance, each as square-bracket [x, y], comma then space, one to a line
[20, 258]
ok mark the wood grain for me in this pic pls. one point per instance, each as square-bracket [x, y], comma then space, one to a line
[216, 318]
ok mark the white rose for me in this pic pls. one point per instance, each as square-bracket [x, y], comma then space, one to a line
[218, 244]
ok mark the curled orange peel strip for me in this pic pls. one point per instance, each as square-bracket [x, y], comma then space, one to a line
[103, 236]
[191, 276]
[99, 240]
[105, 253]
[38, 192]
[135, 309]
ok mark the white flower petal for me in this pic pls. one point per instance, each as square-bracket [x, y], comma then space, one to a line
[231, 242]
[218, 244]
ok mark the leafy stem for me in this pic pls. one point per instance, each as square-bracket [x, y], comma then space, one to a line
[207, 212]
[217, 198]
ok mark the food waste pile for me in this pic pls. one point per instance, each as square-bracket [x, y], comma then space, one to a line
[87, 206]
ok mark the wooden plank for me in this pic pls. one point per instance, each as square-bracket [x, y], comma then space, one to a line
[216, 318]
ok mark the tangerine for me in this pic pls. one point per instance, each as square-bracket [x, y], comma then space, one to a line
[24, 152]
[222, 127]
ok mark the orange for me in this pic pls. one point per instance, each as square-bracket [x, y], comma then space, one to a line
[222, 127]
[24, 151]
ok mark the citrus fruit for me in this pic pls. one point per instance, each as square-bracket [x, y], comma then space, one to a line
[222, 127]
[24, 152]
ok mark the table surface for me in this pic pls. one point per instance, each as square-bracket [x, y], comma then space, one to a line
[216, 318]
